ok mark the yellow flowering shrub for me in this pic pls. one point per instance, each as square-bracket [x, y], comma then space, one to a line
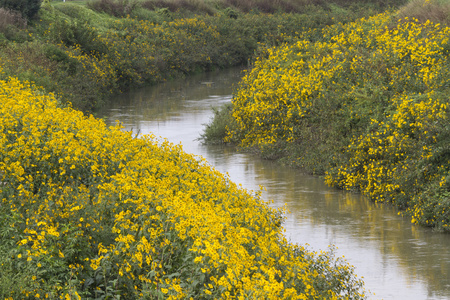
[79, 52]
[88, 212]
[366, 105]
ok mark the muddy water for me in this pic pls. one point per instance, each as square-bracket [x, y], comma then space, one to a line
[397, 260]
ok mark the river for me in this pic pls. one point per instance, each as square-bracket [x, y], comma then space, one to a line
[396, 259]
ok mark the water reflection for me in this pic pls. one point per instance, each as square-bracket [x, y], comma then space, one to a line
[396, 259]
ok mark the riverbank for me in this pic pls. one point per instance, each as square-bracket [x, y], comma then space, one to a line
[366, 106]
[84, 52]
[93, 212]
[397, 260]
[89, 212]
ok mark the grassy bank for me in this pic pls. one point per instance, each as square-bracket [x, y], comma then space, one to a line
[89, 212]
[85, 51]
[366, 105]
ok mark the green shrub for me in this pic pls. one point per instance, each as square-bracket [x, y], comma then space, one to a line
[231, 13]
[14, 34]
[60, 56]
[216, 131]
[73, 33]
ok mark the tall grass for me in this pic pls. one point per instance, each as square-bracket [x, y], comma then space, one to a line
[436, 11]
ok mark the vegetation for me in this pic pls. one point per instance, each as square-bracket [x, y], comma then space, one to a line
[93, 212]
[366, 105]
[85, 51]
[88, 212]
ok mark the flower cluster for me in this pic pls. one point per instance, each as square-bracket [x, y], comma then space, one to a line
[367, 105]
[86, 55]
[142, 52]
[88, 211]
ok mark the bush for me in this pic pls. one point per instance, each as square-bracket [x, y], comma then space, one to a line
[60, 56]
[216, 131]
[28, 8]
[73, 33]
[12, 25]
[366, 105]
[92, 212]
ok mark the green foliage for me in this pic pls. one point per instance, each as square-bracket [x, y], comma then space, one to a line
[216, 131]
[28, 8]
[231, 13]
[60, 56]
[14, 34]
[76, 34]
